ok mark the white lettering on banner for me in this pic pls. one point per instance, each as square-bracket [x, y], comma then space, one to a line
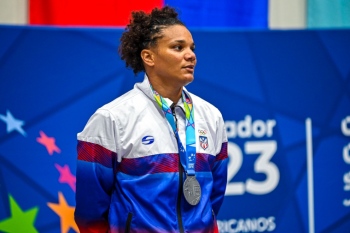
[247, 128]
[345, 126]
[260, 224]
[346, 154]
[266, 149]
[346, 202]
[346, 179]
[263, 165]
[235, 163]
[345, 129]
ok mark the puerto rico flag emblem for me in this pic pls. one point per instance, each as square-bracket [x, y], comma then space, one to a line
[203, 142]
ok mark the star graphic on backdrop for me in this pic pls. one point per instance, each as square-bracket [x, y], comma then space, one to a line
[20, 221]
[12, 123]
[65, 212]
[48, 142]
[66, 176]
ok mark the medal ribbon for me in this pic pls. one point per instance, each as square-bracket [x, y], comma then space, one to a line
[188, 156]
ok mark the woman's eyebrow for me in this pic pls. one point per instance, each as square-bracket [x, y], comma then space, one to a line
[180, 41]
[183, 42]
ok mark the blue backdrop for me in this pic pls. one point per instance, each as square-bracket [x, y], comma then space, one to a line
[273, 87]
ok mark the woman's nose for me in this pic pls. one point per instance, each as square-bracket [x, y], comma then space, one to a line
[190, 55]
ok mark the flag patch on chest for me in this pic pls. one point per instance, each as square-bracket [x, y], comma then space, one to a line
[203, 142]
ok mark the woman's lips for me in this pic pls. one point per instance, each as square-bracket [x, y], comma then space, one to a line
[189, 68]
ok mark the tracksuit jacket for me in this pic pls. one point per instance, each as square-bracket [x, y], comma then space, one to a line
[129, 174]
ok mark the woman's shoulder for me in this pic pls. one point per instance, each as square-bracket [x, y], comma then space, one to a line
[129, 100]
[202, 104]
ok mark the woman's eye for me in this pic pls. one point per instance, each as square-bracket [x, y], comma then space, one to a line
[178, 47]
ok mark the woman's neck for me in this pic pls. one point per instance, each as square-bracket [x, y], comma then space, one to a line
[167, 91]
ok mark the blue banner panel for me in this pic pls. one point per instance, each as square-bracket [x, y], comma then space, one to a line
[284, 96]
[272, 88]
[222, 14]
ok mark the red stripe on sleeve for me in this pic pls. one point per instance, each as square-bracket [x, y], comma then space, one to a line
[91, 152]
[223, 153]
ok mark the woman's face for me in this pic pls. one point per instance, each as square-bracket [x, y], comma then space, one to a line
[174, 57]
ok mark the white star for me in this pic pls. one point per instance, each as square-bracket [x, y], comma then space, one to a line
[13, 123]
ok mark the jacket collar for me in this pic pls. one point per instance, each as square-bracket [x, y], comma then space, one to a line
[145, 87]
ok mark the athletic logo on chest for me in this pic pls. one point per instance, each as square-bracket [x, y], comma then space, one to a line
[147, 140]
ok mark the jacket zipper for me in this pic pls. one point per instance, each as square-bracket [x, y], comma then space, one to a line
[179, 193]
[128, 223]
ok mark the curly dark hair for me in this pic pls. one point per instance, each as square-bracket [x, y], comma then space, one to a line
[142, 32]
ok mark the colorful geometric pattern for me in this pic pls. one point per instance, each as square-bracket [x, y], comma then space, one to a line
[21, 220]
[189, 113]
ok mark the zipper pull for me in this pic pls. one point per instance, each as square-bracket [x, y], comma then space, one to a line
[172, 107]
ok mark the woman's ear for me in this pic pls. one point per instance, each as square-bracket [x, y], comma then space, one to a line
[147, 57]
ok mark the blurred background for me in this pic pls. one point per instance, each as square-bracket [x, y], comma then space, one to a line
[261, 14]
[278, 70]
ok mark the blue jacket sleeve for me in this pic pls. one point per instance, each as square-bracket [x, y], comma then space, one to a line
[219, 172]
[95, 174]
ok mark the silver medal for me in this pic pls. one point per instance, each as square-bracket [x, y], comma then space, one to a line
[192, 190]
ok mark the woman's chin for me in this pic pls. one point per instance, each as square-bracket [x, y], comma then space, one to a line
[188, 79]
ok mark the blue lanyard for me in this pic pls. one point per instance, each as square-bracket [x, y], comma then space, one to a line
[188, 156]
